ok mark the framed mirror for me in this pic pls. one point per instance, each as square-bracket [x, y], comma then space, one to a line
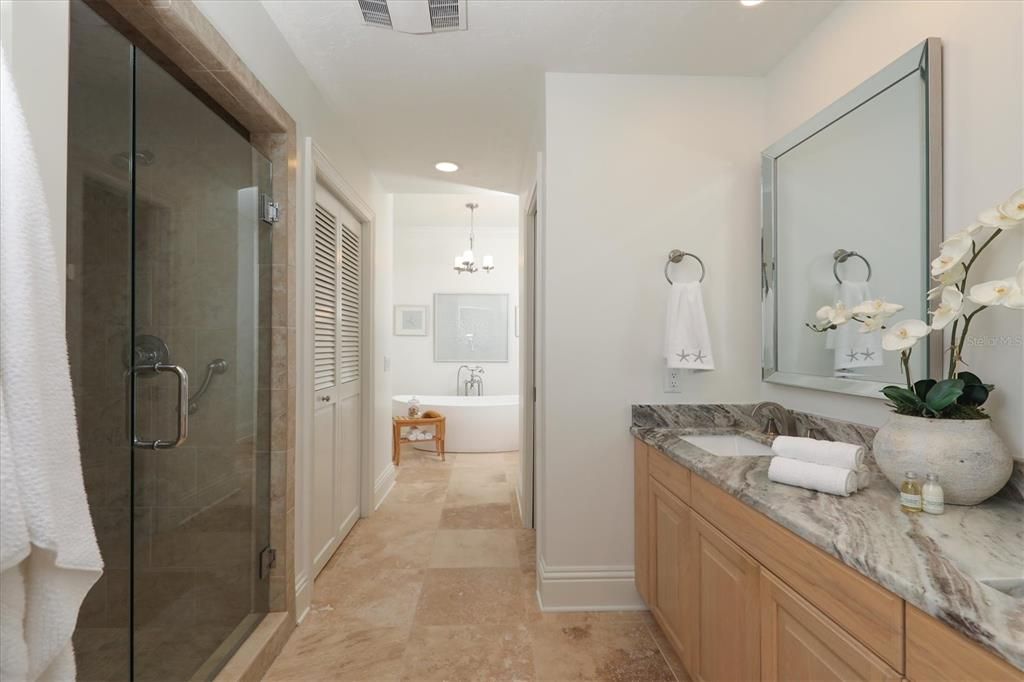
[470, 327]
[852, 211]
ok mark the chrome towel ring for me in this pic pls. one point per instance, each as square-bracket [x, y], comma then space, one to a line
[675, 256]
[841, 256]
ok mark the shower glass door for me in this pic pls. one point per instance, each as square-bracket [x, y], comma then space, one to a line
[170, 346]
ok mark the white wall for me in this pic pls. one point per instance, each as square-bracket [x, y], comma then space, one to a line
[253, 35]
[35, 39]
[430, 230]
[983, 142]
[635, 166]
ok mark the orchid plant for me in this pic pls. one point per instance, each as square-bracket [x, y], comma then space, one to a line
[960, 394]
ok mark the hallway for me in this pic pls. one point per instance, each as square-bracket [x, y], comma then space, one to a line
[440, 585]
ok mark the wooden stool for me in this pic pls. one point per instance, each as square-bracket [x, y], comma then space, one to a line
[429, 418]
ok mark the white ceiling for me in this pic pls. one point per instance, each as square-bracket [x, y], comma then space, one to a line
[475, 97]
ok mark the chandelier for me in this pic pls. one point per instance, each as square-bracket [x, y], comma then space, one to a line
[465, 262]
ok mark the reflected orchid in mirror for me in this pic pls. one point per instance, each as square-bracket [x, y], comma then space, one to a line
[959, 394]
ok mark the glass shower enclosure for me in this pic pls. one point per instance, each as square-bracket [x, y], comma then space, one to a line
[167, 334]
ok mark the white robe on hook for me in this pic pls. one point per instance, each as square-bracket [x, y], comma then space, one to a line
[49, 558]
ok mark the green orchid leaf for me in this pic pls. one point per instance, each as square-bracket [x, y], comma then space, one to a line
[922, 387]
[903, 399]
[969, 378]
[974, 394]
[943, 394]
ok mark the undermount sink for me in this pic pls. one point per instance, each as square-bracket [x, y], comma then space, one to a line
[1013, 587]
[730, 446]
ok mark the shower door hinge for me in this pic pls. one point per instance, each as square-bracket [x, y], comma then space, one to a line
[271, 210]
[268, 559]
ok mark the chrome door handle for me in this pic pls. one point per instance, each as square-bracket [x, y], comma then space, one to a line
[182, 375]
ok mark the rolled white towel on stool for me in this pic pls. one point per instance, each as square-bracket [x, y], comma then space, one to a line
[824, 479]
[828, 453]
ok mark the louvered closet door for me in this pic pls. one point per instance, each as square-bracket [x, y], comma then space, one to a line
[337, 354]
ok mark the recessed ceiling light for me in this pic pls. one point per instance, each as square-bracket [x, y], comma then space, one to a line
[446, 166]
[751, 3]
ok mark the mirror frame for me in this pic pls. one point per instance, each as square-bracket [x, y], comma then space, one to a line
[926, 60]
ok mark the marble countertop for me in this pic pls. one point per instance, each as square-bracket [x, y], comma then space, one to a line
[936, 562]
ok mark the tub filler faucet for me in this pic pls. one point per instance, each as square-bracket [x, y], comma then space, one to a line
[474, 382]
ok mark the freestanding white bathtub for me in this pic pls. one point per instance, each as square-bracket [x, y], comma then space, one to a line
[486, 423]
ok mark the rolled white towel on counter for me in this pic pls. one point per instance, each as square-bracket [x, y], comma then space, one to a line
[824, 479]
[828, 453]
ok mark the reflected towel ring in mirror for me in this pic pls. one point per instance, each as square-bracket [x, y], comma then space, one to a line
[841, 256]
[676, 256]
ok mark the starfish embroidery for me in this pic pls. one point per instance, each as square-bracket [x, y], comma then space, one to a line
[868, 354]
[699, 356]
[852, 355]
[683, 355]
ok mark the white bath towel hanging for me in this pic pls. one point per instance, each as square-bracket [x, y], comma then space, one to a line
[48, 553]
[687, 341]
[851, 348]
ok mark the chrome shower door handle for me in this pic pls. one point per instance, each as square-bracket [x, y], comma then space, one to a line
[182, 375]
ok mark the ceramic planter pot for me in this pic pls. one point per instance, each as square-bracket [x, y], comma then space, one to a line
[970, 459]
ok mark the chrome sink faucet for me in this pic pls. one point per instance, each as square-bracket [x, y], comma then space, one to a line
[777, 415]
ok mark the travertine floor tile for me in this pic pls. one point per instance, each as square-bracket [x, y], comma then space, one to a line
[463, 494]
[322, 650]
[468, 652]
[360, 597]
[475, 549]
[471, 596]
[440, 584]
[493, 515]
[610, 650]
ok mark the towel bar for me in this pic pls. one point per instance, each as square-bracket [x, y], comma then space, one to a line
[675, 256]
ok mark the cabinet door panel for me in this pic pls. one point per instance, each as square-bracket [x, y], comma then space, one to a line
[798, 642]
[728, 619]
[669, 527]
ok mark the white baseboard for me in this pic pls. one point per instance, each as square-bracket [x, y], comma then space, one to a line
[303, 596]
[383, 485]
[587, 588]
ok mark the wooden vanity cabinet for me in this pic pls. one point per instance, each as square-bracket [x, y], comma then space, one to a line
[727, 614]
[670, 582]
[742, 598]
[799, 642]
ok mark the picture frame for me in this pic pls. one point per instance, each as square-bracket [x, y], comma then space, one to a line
[471, 327]
[412, 320]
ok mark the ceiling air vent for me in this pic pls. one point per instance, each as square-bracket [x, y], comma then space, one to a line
[375, 12]
[446, 15]
[416, 16]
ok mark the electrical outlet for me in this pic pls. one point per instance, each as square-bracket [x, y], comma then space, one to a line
[672, 380]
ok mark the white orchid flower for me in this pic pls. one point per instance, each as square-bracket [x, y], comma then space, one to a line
[871, 324]
[952, 254]
[948, 278]
[1013, 208]
[877, 307]
[1006, 215]
[905, 334]
[1015, 299]
[993, 292]
[833, 315]
[949, 309]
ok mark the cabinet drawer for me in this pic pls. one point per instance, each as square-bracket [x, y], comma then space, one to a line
[670, 474]
[937, 652]
[870, 613]
[798, 642]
